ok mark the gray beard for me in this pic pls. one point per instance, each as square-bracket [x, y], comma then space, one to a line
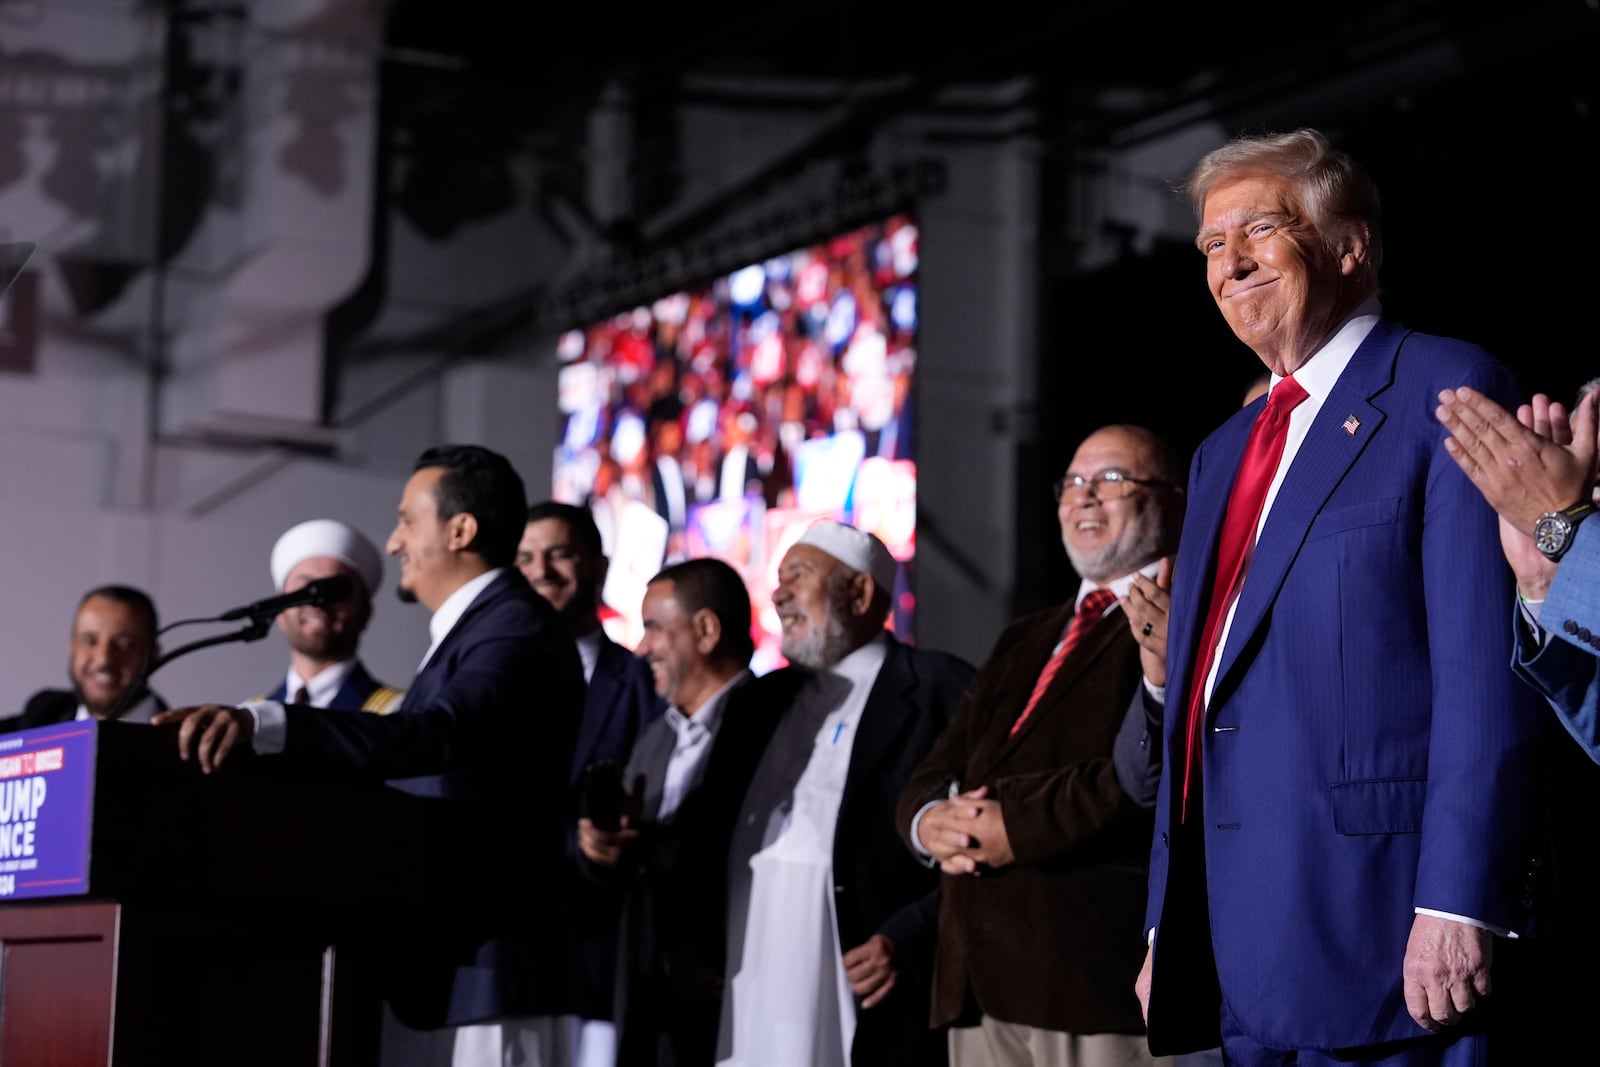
[822, 647]
[1137, 546]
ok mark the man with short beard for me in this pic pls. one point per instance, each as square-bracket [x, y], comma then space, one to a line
[112, 644]
[813, 863]
[1020, 803]
[324, 670]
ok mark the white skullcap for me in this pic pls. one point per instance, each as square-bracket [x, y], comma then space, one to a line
[856, 549]
[327, 537]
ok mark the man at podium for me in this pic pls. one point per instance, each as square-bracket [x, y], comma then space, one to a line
[490, 721]
[113, 640]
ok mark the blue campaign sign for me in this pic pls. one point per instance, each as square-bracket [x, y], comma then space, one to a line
[46, 808]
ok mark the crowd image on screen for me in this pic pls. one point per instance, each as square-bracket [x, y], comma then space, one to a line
[720, 421]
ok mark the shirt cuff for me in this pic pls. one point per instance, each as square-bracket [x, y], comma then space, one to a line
[916, 821]
[1158, 693]
[1500, 931]
[272, 726]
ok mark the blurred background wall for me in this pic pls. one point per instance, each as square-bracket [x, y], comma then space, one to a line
[283, 247]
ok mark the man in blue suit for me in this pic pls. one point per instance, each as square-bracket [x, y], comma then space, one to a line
[563, 558]
[489, 721]
[1343, 823]
[1537, 471]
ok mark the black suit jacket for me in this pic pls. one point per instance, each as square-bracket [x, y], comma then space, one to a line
[665, 1017]
[491, 722]
[48, 707]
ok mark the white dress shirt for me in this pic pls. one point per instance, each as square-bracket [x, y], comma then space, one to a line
[322, 688]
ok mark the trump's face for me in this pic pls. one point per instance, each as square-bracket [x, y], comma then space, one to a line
[1274, 278]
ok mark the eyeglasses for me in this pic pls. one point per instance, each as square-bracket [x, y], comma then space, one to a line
[1107, 485]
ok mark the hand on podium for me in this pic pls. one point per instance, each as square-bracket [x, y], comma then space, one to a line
[209, 732]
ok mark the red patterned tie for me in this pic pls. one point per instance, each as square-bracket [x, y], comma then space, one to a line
[1261, 455]
[1094, 605]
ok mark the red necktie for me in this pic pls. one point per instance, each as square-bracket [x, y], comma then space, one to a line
[301, 696]
[1094, 605]
[1261, 455]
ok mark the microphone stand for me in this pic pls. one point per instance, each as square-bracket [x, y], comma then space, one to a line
[259, 626]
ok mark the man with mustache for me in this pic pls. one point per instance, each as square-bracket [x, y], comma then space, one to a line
[325, 670]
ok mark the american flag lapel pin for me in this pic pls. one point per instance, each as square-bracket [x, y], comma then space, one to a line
[1351, 425]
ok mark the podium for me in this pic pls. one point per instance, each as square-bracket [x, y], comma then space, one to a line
[150, 914]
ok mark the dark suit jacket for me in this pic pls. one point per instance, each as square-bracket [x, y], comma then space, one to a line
[352, 695]
[1054, 940]
[1366, 751]
[621, 704]
[48, 707]
[879, 887]
[490, 722]
[660, 1022]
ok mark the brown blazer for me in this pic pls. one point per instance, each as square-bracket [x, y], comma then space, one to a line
[1054, 940]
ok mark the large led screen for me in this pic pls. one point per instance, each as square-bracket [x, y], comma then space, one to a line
[720, 421]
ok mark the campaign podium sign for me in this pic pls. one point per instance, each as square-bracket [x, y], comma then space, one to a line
[151, 913]
[46, 810]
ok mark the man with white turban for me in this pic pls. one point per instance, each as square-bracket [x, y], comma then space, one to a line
[324, 670]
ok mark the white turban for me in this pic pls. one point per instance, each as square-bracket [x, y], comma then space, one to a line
[856, 549]
[327, 537]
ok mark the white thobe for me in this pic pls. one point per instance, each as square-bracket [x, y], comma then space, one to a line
[790, 1002]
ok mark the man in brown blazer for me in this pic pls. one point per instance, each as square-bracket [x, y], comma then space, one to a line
[1020, 803]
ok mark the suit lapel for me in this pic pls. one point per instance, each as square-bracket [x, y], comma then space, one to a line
[600, 706]
[425, 685]
[890, 707]
[1090, 648]
[655, 753]
[1210, 484]
[1324, 459]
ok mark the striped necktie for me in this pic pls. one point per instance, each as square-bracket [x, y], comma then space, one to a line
[1094, 605]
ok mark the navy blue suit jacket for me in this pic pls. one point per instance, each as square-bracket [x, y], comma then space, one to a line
[621, 702]
[490, 721]
[1366, 750]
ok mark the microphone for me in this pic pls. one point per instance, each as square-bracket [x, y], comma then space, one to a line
[318, 594]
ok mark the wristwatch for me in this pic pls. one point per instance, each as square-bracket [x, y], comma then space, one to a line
[1553, 533]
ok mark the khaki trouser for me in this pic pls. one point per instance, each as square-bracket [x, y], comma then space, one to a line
[993, 1043]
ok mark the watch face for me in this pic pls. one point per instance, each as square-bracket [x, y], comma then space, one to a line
[1550, 534]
